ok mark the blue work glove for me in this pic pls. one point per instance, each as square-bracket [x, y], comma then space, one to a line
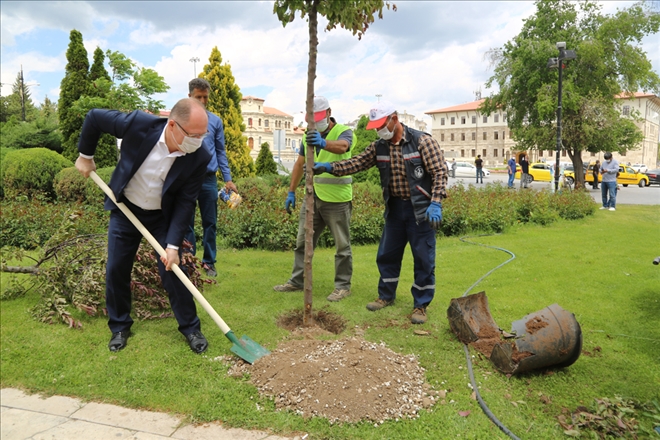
[434, 214]
[290, 201]
[314, 139]
[322, 167]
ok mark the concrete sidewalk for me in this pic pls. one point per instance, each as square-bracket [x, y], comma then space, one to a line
[62, 418]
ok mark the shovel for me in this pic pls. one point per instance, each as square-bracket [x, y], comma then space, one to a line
[245, 347]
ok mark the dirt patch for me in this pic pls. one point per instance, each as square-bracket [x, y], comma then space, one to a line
[346, 380]
[323, 319]
[535, 324]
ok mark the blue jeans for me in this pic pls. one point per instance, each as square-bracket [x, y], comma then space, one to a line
[480, 175]
[208, 208]
[337, 217]
[511, 178]
[608, 188]
[401, 228]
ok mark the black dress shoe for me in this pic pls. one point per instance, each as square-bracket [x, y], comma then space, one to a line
[118, 340]
[197, 342]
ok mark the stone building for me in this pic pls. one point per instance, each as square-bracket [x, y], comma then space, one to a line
[463, 132]
[261, 125]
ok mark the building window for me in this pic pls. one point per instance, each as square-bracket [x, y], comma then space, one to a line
[540, 153]
[504, 117]
[496, 135]
[626, 110]
[462, 153]
[251, 143]
[495, 152]
[259, 122]
[510, 134]
[250, 122]
[484, 135]
[259, 142]
[442, 137]
[503, 135]
[563, 153]
[593, 154]
[474, 135]
[462, 136]
[453, 120]
[483, 152]
[497, 118]
[463, 120]
[442, 121]
[474, 119]
[485, 119]
[474, 153]
[452, 137]
[266, 123]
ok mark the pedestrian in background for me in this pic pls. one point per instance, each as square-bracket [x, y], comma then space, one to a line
[511, 170]
[479, 163]
[596, 172]
[609, 169]
[413, 177]
[524, 171]
[453, 168]
[214, 143]
[332, 200]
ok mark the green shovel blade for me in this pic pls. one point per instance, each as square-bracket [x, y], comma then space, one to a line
[246, 348]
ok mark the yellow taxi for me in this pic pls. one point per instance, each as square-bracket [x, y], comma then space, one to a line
[539, 172]
[627, 176]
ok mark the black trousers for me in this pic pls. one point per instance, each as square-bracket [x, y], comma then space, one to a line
[123, 242]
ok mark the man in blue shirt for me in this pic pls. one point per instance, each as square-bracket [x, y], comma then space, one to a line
[214, 142]
[511, 169]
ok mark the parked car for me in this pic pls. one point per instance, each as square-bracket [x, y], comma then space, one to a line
[627, 176]
[654, 176]
[539, 172]
[639, 167]
[467, 169]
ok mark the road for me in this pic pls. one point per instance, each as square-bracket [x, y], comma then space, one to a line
[631, 195]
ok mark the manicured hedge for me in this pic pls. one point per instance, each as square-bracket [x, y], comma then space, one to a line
[30, 172]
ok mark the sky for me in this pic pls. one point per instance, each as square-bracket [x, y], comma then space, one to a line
[425, 56]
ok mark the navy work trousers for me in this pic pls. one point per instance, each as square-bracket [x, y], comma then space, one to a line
[401, 228]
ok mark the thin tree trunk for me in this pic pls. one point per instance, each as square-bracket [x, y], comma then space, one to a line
[309, 161]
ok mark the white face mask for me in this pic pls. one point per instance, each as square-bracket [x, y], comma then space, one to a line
[322, 125]
[384, 133]
[189, 144]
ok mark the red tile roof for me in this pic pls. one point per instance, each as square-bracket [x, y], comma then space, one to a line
[458, 108]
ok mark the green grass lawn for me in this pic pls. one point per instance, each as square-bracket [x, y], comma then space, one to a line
[599, 268]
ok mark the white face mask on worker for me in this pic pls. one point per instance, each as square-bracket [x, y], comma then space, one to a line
[189, 144]
[385, 134]
[322, 125]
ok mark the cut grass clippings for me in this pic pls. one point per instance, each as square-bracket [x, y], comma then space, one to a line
[599, 268]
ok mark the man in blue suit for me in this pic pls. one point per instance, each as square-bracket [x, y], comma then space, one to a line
[158, 177]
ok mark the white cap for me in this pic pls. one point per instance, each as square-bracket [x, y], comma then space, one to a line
[321, 105]
[379, 113]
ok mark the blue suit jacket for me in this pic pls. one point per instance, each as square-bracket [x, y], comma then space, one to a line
[140, 132]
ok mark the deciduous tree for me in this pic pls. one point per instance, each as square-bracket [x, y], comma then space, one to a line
[610, 63]
[225, 101]
[355, 16]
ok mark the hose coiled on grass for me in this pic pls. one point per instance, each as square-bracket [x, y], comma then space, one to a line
[482, 404]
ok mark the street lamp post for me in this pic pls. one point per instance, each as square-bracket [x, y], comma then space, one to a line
[559, 63]
[378, 96]
[194, 60]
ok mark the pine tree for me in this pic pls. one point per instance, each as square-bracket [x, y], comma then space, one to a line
[21, 92]
[99, 84]
[225, 101]
[265, 163]
[74, 84]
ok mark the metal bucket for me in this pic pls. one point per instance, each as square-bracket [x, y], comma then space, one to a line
[548, 338]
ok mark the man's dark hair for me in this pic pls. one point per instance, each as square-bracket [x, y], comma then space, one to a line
[607, 155]
[199, 84]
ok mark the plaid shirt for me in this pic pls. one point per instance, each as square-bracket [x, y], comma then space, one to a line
[432, 159]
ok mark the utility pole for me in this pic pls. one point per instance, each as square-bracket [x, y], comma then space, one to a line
[194, 60]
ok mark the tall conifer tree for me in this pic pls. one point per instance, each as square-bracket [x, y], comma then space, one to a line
[99, 82]
[225, 101]
[74, 84]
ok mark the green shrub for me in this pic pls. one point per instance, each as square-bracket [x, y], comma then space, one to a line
[573, 205]
[28, 224]
[71, 186]
[31, 171]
